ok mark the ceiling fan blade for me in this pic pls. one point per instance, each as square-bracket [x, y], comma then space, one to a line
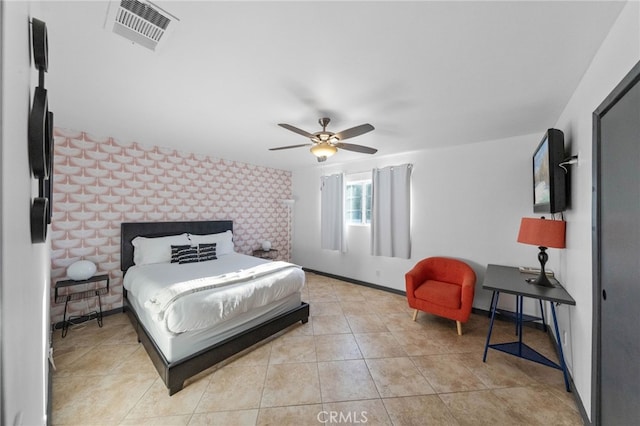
[356, 148]
[290, 146]
[354, 131]
[296, 130]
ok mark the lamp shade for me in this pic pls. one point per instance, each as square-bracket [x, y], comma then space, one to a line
[542, 232]
[323, 149]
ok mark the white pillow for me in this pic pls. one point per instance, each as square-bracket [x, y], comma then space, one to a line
[223, 240]
[156, 250]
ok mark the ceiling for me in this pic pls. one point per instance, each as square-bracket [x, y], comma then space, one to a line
[425, 74]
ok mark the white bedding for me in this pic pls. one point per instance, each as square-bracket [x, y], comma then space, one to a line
[206, 309]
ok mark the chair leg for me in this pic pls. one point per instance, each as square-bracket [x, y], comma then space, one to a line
[415, 314]
[459, 325]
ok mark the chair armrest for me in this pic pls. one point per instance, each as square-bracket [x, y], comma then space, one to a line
[411, 283]
[414, 278]
[468, 290]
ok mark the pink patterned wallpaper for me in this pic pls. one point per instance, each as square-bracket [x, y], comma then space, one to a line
[101, 182]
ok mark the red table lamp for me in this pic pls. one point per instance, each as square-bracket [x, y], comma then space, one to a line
[543, 233]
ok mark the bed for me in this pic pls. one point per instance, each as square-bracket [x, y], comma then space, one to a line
[242, 301]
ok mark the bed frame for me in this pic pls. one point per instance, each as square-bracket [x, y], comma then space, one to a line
[175, 373]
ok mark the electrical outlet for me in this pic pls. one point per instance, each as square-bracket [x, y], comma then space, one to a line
[564, 337]
[378, 273]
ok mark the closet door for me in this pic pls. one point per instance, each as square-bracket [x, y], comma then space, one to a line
[617, 255]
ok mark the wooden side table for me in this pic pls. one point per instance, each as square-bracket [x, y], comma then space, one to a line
[78, 294]
[265, 254]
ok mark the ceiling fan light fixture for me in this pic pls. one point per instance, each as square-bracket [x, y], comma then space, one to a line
[323, 149]
[325, 144]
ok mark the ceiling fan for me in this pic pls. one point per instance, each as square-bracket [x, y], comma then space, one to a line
[325, 144]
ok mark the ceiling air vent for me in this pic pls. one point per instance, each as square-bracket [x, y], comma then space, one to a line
[142, 22]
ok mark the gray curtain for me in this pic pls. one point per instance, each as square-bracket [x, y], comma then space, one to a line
[391, 211]
[332, 213]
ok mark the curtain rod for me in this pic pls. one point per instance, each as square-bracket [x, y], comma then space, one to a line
[410, 165]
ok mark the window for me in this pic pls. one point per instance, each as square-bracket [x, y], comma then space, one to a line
[358, 203]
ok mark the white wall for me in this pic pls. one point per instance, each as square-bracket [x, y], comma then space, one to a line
[468, 200]
[619, 52]
[25, 266]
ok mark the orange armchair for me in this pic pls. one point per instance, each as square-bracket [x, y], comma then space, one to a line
[442, 286]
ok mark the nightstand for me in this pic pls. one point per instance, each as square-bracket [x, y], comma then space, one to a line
[265, 254]
[81, 293]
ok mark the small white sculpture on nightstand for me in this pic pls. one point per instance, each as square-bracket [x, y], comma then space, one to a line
[81, 270]
[266, 245]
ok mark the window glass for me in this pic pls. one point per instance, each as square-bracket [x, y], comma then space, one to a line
[368, 202]
[358, 203]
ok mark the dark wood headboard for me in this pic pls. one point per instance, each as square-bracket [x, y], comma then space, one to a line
[130, 230]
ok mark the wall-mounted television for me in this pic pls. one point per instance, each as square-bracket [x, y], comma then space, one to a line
[549, 180]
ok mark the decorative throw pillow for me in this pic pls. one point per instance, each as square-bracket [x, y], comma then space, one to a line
[175, 250]
[188, 254]
[206, 252]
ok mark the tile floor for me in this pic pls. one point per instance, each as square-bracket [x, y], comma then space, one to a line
[359, 360]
